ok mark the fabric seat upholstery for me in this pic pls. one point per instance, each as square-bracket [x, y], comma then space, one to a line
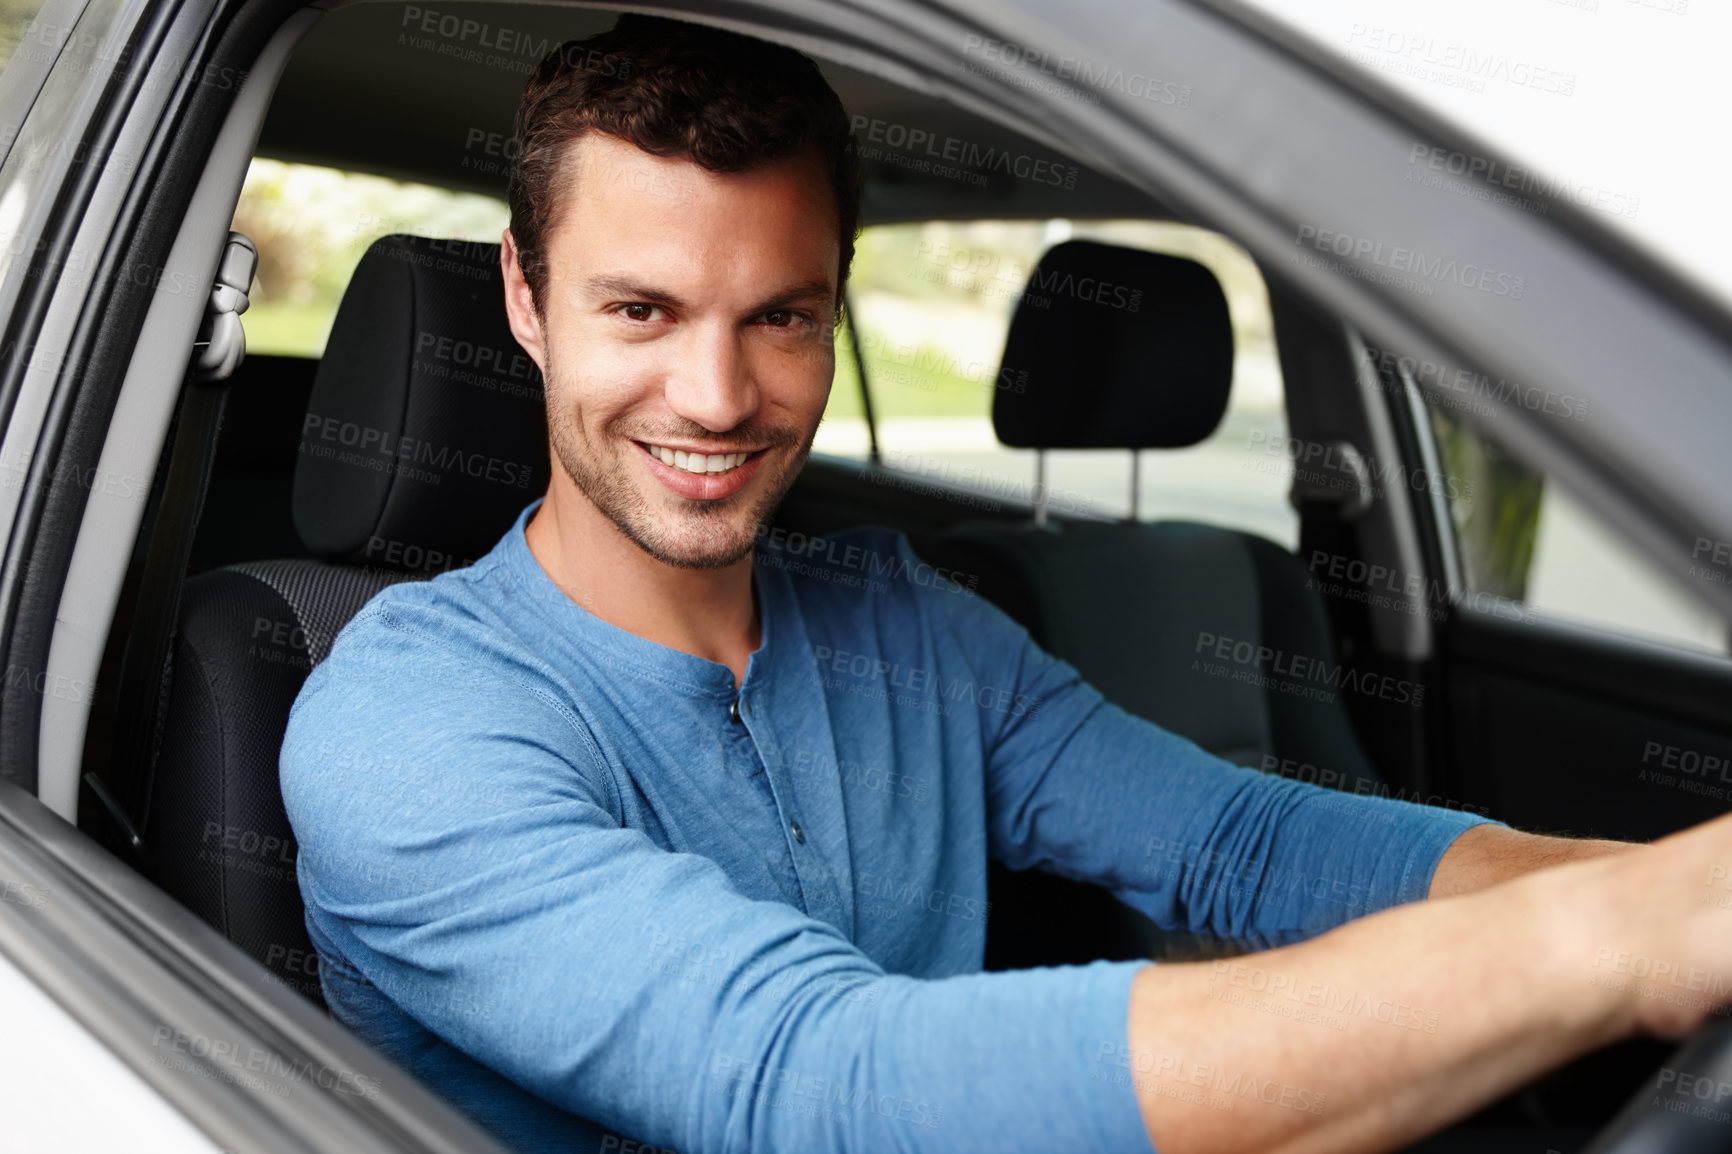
[1133, 605]
[1128, 605]
[422, 400]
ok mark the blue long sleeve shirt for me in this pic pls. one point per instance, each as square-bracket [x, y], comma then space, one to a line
[549, 872]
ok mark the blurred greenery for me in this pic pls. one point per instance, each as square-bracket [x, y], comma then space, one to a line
[15, 18]
[293, 330]
[943, 268]
[845, 388]
[1497, 527]
[918, 381]
[312, 225]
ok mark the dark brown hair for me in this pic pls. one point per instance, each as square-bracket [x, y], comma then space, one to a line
[728, 102]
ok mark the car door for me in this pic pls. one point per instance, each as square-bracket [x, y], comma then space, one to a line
[124, 113]
[1588, 690]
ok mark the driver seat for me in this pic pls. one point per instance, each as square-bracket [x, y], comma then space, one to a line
[424, 438]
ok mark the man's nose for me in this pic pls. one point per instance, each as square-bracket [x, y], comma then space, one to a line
[713, 385]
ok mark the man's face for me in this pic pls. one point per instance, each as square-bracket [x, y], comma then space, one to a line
[685, 335]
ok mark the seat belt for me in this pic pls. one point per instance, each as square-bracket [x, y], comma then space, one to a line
[146, 674]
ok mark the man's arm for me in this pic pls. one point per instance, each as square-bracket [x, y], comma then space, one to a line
[1390, 1027]
[462, 847]
[1488, 854]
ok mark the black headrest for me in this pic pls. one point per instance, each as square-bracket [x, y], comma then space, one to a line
[1114, 348]
[426, 433]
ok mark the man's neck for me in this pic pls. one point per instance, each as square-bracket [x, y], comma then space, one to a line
[709, 613]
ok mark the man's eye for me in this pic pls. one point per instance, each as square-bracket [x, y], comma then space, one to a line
[638, 312]
[783, 319]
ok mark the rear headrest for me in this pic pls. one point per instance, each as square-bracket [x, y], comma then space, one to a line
[426, 433]
[1114, 348]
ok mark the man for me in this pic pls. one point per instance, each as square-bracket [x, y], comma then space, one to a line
[584, 839]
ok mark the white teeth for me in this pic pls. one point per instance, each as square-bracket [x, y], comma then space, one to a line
[698, 462]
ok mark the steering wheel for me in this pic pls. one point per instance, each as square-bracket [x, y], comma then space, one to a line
[1684, 1107]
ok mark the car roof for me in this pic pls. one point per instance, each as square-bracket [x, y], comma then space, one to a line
[370, 90]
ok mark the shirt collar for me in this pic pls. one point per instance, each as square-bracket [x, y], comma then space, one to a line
[616, 646]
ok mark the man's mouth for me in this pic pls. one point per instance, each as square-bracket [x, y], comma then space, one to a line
[702, 464]
[699, 476]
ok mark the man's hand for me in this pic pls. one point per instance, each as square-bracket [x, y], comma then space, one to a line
[1386, 1029]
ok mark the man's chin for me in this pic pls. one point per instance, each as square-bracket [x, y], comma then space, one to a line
[695, 534]
[714, 534]
[684, 548]
[680, 531]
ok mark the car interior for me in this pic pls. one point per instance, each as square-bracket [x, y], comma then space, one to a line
[271, 521]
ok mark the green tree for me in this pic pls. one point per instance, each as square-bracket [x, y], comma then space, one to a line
[1496, 510]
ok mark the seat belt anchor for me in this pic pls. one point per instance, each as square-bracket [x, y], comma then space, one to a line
[222, 342]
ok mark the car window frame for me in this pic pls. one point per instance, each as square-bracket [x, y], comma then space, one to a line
[1470, 603]
[131, 965]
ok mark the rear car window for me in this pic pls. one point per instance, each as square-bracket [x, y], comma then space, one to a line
[16, 20]
[1523, 537]
[311, 226]
[932, 303]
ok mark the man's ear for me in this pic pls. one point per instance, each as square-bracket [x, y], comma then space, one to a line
[520, 304]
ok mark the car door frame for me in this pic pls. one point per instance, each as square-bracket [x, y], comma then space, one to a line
[247, 1060]
[1599, 680]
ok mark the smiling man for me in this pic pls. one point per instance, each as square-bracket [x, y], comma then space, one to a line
[687, 371]
[585, 843]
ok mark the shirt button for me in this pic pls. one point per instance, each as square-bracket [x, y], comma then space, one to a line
[799, 834]
[734, 709]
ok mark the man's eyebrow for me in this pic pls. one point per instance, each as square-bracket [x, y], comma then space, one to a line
[625, 288]
[805, 290]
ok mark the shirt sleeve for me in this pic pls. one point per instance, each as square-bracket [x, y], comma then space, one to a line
[1078, 787]
[462, 845]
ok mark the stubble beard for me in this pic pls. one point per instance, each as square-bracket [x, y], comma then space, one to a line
[681, 532]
